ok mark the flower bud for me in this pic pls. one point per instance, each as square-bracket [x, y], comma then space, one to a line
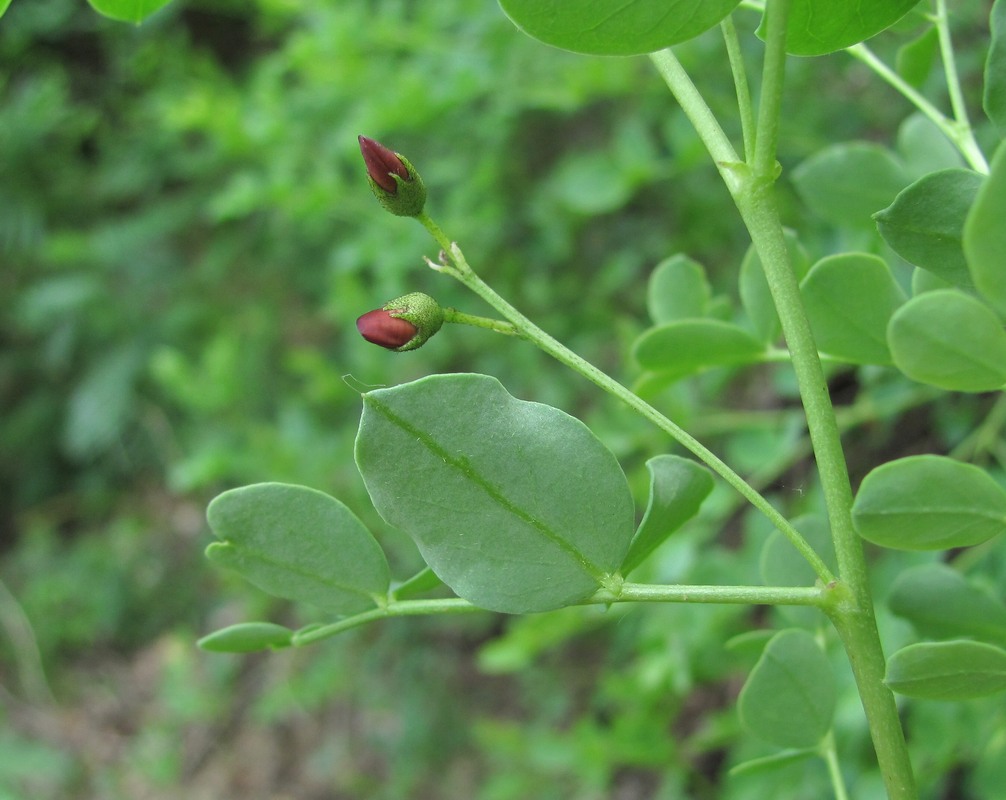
[393, 179]
[402, 324]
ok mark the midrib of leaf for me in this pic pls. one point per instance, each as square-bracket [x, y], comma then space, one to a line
[261, 556]
[463, 465]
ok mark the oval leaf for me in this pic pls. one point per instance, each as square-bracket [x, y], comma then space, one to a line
[928, 503]
[831, 182]
[298, 543]
[924, 148]
[850, 299]
[789, 697]
[692, 345]
[615, 27]
[816, 27]
[677, 289]
[941, 604]
[959, 670]
[247, 637]
[994, 98]
[517, 506]
[949, 339]
[925, 223]
[127, 10]
[915, 59]
[985, 234]
[677, 488]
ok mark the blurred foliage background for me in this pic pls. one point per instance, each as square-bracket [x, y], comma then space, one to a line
[187, 238]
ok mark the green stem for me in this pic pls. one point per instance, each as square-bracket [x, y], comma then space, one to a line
[743, 595]
[626, 593]
[961, 136]
[770, 99]
[852, 610]
[968, 146]
[744, 107]
[699, 115]
[496, 325]
[395, 608]
[830, 756]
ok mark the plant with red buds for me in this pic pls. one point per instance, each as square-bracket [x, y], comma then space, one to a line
[393, 179]
[404, 323]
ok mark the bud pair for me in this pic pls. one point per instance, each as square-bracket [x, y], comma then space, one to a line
[402, 324]
[394, 180]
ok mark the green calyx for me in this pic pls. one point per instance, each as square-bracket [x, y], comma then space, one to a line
[422, 311]
[409, 198]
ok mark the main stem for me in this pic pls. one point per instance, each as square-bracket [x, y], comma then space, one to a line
[753, 191]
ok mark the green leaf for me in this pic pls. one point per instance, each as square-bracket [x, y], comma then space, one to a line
[925, 281]
[298, 543]
[127, 10]
[782, 565]
[941, 604]
[247, 637]
[789, 697]
[949, 339]
[928, 503]
[615, 27]
[924, 148]
[994, 97]
[420, 583]
[755, 294]
[590, 183]
[688, 346]
[850, 299]
[916, 58]
[959, 670]
[832, 182]
[3, 6]
[515, 505]
[677, 488]
[925, 223]
[816, 27]
[985, 234]
[677, 289]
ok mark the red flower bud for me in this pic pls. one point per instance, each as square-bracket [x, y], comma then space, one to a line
[393, 179]
[381, 163]
[405, 323]
[381, 327]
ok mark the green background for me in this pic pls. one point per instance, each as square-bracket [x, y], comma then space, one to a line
[186, 239]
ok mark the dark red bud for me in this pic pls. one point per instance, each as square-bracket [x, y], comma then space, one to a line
[380, 327]
[381, 163]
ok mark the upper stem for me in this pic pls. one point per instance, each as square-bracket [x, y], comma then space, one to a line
[753, 192]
